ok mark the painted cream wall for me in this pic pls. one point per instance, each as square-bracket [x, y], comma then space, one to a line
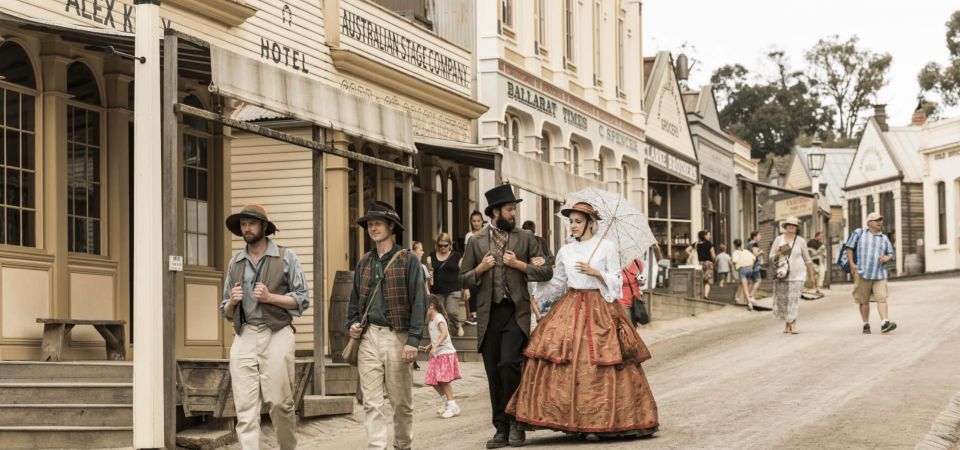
[942, 165]
[872, 161]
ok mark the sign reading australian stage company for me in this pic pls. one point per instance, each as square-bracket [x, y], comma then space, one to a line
[412, 52]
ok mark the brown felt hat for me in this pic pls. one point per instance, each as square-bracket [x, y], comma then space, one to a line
[251, 211]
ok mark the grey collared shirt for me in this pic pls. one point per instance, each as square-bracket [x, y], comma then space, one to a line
[296, 282]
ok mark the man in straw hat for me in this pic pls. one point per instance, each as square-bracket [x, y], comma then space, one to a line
[388, 284]
[264, 288]
[496, 266]
[868, 251]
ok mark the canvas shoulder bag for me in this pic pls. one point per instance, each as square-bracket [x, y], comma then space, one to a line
[351, 352]
[782, 267]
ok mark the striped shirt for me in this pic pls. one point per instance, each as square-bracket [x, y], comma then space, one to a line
[869, 248]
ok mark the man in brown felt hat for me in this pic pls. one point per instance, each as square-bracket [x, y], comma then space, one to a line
[264, 288]
[388, 284]
[497, 264]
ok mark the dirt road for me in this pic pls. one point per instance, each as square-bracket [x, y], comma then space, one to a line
[743, 384]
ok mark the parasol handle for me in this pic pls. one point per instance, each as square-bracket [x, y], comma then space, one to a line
[595, 247]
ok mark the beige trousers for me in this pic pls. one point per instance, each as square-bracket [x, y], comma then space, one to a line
[262, 371]
[382, 369]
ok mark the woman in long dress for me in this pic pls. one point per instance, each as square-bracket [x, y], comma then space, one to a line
[787, 289]
[583, 372]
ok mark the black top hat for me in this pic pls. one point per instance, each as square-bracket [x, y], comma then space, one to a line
[251, 211]
[499, 196]
[381, 210]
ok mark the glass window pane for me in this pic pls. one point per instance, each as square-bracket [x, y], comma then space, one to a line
[202, 185]
[13, 226]
[680, 201]
[202, 250]
[12, 109]
[202, 153]
[71, 234]
[28, 106]
[93, 164]
[71, 210]
[12, 187]
[12, 148]
[80, 200]
[71, 136]
[191, 249]
[3, 188]
[189, 150]
[29, 226]
[94, 233]
[202, 218]
[657, 205]
[79, 125]
[189, 182]
[93, 127]
[93, 201]
[190, 216]
[28, 190]
[3, 227]
[27, 151]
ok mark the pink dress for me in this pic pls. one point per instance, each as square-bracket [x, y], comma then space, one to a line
[444, 367]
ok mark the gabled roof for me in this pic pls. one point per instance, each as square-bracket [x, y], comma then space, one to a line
[904, 144]
[834, 173]
[882, 155]
[664, 105]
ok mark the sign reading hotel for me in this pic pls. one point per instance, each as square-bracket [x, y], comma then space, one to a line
[671, 164]
[361, 27]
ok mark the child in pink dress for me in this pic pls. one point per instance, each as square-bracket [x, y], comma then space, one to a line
[442, 367]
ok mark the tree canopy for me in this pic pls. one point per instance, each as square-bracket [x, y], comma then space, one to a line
[945, 80]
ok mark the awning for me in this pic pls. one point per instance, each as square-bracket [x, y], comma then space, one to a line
[295, 95]
[473, 155]
[542, 178]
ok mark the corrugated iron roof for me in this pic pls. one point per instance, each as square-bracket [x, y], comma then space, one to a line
[904, 145]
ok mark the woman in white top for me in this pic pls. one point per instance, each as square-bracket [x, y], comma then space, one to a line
[788, 280]
[583, 371]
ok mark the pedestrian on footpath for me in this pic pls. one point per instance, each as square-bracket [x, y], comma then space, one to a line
[477, 223]
[264, 288]
[442, 367]
[753, 246]
[789, 251]
[818, 254]
[417, 249]
[706, 254]
[389, 285]
[868, 251]
[583, 370]
[496, 268]
[444, 265]
[742, 262]
[723, 265]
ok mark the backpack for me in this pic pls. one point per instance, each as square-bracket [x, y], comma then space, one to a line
[842, 257]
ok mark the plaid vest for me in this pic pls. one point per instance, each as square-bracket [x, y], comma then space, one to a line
[394, 289]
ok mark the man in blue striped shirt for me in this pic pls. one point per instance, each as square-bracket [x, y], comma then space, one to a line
[868, 251]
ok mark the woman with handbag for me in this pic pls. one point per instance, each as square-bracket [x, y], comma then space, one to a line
[583, 372]
[789, 254]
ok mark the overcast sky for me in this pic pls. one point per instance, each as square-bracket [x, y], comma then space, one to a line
[742, 31]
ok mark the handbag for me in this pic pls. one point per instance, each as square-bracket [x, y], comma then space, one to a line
[782, 268]
[351, 351]
[638, 309]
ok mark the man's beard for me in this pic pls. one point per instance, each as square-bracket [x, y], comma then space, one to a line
[251, 238]
[505, 224]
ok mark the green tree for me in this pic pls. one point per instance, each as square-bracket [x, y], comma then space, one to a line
[945, 81]
[770, 114]
[848, 75]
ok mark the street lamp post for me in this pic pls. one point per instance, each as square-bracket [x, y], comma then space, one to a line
[815, 159]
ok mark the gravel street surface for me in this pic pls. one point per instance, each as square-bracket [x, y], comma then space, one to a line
[731, 379]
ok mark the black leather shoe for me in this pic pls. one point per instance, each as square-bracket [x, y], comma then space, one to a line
[518, 437]
[499, 440]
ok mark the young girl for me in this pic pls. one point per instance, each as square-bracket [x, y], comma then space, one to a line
[442, 367]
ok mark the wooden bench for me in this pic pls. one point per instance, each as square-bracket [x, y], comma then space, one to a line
[55, 332]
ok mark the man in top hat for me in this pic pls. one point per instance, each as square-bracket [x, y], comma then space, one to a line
[496, 266]
[264, 288]
[868, 251]
[389, 284]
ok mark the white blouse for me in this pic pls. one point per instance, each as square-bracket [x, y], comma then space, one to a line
[565, 273]
[799, 257]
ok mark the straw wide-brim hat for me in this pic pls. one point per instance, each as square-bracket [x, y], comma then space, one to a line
[792, 220]
[583, 207]
[250, 211]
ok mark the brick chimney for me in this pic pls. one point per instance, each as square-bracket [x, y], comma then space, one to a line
[880, 114]
[919, 116]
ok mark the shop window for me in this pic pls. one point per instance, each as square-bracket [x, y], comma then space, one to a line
[888, 211]
[197, 143]
[942, 213]
[575, 159]
[18, 171]
[84, 161]
[854, 214]
[668, 207]
[545, 147]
